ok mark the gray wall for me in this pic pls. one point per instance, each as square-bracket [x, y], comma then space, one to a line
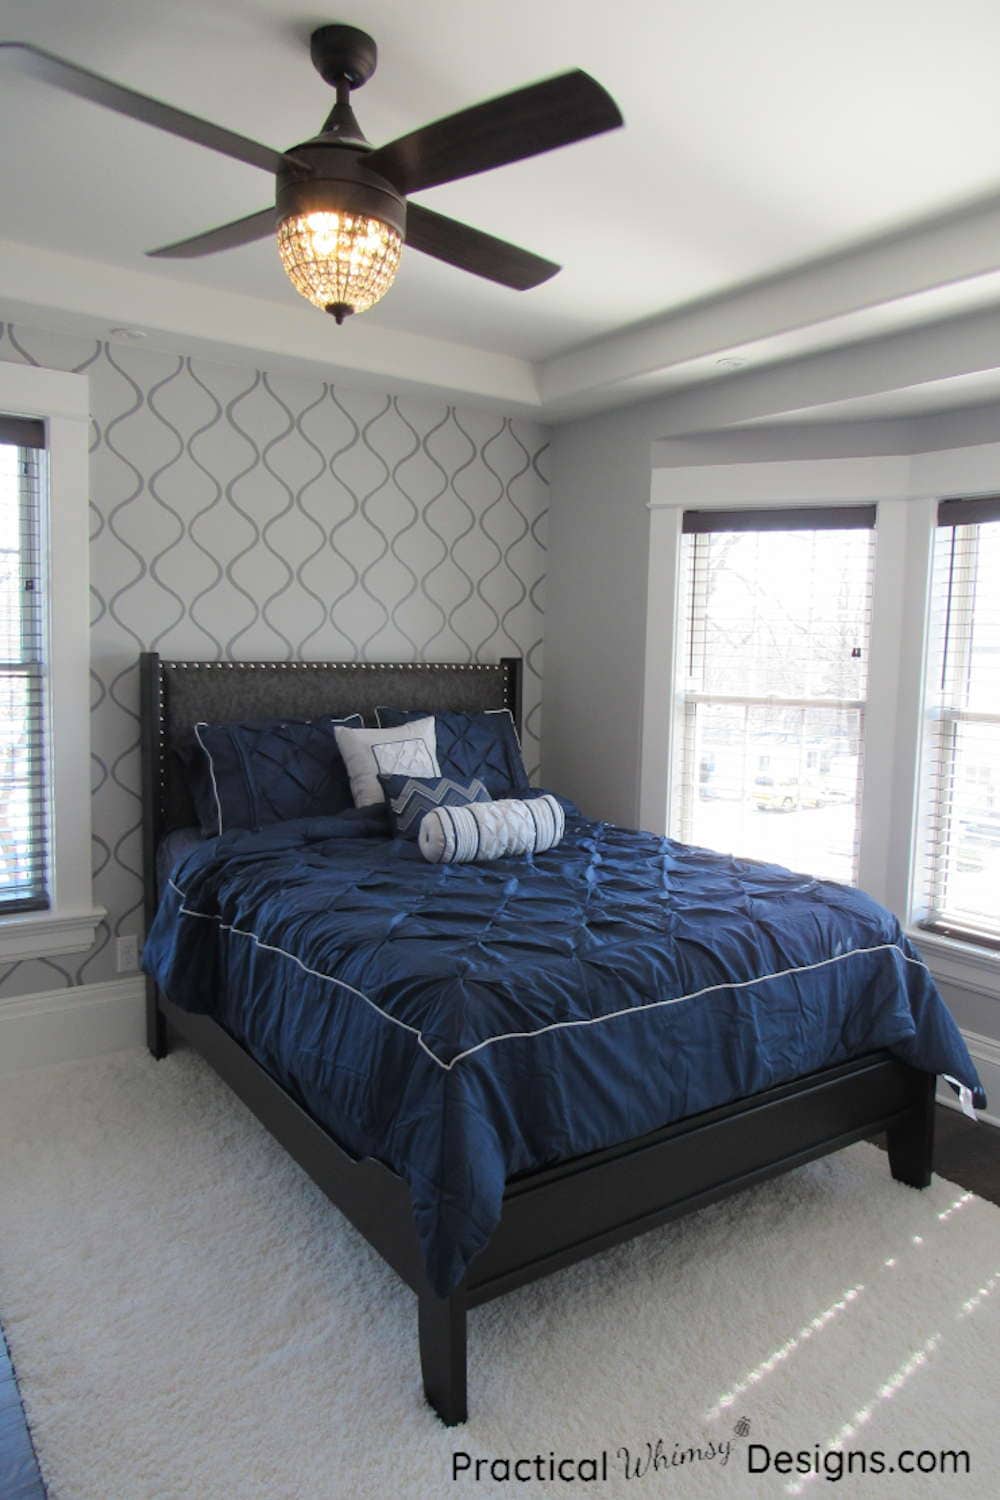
[241, 514]
[596, 611]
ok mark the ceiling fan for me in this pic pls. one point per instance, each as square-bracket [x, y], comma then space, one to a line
[341, 211]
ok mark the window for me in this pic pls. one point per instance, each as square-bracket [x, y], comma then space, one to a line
[959, 878]
[772, 679]
[46, 896]
[23, 755]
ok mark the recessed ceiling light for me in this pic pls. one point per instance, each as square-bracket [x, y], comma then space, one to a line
[127, 333]
[730, 362]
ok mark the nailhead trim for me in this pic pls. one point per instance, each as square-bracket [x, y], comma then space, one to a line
[331, 666]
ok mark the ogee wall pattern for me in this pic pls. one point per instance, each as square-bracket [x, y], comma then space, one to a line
[241, 514]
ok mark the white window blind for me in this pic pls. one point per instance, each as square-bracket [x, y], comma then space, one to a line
[23, 765]
[958, 879]
[772, 679]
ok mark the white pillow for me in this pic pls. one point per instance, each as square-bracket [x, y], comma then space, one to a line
[407, 750]
[491, 830]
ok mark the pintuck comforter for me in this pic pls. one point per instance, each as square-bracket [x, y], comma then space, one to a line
[462, 1023]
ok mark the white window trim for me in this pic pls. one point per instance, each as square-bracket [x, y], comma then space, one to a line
[781, 485]
[906, 489]
[684, 698]
[966, 965]
[62, 401]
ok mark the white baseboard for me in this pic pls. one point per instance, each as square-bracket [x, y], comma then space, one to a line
[79, 1021]
[985, 1053]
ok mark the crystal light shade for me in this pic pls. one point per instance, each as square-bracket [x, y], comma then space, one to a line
[340, 262]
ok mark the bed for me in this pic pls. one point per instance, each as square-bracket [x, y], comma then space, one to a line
[472, 1061]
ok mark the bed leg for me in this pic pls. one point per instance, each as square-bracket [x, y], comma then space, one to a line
[911, 1141]
[442, 1355]
[156, 1025]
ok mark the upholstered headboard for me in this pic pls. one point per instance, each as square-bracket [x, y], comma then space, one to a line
[175, 695]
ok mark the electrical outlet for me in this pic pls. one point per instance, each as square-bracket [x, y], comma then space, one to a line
[127, 956]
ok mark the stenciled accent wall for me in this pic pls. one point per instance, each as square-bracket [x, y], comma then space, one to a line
[238, 514]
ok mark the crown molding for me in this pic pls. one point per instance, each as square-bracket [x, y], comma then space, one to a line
[68, 293]
[917, 305]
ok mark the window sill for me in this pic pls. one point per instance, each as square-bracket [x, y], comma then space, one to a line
[41, 934]
[965, 965]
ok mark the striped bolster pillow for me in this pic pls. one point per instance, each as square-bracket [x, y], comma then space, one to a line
[489, 830]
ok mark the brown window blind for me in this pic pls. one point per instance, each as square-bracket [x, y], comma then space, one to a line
[772, 677]
[23, 763]
[784, 518]
[958, 877]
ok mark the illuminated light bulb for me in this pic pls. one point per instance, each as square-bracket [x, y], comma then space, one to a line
[340, 262]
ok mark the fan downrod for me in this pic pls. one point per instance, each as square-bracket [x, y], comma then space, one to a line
[343, 54]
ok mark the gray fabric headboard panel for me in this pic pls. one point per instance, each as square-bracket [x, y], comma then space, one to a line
[177, 695]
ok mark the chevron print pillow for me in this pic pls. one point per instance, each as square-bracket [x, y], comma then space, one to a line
[409, 798]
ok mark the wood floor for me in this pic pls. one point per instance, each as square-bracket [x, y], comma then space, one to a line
[19, 1476]
[965, 1152]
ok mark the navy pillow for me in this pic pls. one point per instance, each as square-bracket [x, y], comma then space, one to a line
[409, 798]
[248, 775]
[481, 746]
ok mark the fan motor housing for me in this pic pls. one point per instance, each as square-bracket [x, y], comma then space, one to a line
[337, 182]
[343, 53]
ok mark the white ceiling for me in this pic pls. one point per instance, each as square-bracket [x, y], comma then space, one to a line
[758, 138]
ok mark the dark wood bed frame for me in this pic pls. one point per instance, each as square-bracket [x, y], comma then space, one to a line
[552, 1217]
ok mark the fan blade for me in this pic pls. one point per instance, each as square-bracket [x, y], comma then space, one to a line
[557, 112]
[226, 237]
[471, 250]
[87, 85]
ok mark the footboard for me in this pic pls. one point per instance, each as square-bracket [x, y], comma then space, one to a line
[555, 1217]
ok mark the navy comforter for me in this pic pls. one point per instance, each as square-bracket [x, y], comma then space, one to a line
[462, 1023]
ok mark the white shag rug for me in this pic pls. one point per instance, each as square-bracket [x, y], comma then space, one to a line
[189, 1317]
